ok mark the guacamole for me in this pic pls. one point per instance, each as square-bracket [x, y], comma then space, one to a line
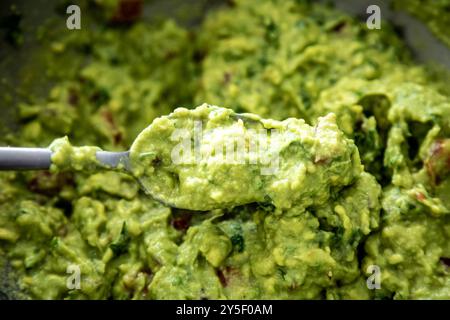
[67, 157]
[285, 163]
[353, 169]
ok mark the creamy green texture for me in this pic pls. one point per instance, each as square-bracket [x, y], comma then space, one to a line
[312, 229]
[67, 157]
[285, 163]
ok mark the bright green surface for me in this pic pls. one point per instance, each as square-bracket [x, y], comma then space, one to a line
[298, 165]
[278, 59]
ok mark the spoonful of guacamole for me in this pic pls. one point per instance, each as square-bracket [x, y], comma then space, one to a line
[209, 157]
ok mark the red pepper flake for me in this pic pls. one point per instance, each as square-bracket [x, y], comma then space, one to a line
[438, 162]
[148, 273]
[436, 147]
[128, 11]
[226, 274]
[320, 161]
[182, 221]
[107, 115]
[420, 196]
[116, 134]
[222, 278]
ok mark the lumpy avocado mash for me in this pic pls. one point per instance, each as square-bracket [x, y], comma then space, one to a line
[363, 180]
[293, 165]
[67, 157]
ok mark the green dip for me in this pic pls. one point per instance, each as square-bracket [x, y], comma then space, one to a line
[65, 157]
[285, 163]
[362, 180]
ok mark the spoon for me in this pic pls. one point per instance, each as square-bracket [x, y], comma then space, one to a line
[16, 158]
[12, 158]
[20, 159]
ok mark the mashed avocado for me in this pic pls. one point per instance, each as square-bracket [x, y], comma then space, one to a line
[66, 157]
[362, 180]
[285, 163]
